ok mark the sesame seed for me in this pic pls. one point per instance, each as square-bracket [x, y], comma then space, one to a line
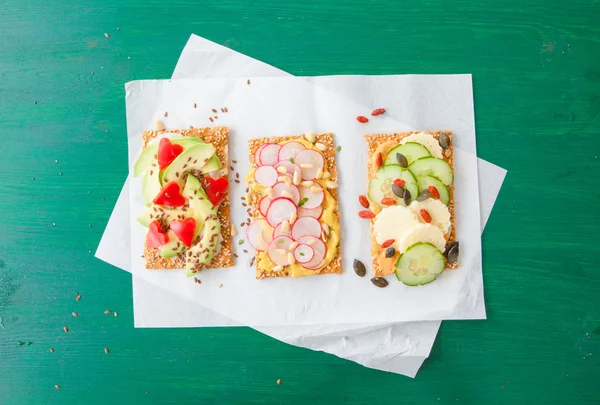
[78, 298]
[106, 35]
[74, 314]
[116, 314]
[107, 312]
[51, 350]
[279, 382]
[57, 386]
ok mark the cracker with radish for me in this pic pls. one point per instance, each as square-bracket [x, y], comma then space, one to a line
[292, 183]
[186, 192]
[410, 203]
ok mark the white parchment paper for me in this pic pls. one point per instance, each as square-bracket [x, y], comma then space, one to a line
[155, 307]
[284, 106]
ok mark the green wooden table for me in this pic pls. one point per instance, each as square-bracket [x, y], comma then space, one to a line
[536, 69]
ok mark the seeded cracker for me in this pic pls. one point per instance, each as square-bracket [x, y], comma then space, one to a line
[218, 137]
[335, 267]
[374, 142]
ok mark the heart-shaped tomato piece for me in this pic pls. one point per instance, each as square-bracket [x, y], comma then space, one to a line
[167, 152]
[156, 237]
[184, 230]
[215, 189]
[170, 195]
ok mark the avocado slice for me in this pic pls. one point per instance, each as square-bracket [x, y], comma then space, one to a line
[162, 213]
[193, 158]
[149, 153]
[173, 247]
[204, 250]
[150, 185]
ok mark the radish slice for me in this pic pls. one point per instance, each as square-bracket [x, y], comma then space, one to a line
[306, 226]
[310, 161]
[291, 167]
[266, 176]
[314, 212]
[256, 234]
[291, 192]
[281, 209]
[290, 150]
[278, 231]
[278, 250]
[257, 154]
[314, 199]
[304, 253]
[263, 205]
[270, 154]
[320, 249]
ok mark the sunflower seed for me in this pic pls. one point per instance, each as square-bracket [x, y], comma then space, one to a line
[423, 196]
[401, 159]
[444, 140]
[451, 252]
[399, 191]
[359, 268]
[390, 252]
[379, 282]
[406, 197]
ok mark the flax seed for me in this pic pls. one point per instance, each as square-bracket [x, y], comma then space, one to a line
[66, 329]
[51, 350]
[74, 314]
[105, 350]
[107, 312]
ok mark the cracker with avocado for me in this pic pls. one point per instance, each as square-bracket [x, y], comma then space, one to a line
[155, 260]
[269, 262]
[382, 150]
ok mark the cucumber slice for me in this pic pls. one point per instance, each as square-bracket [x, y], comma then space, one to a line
[430, 166]
[411, 151]
[381, 186]
[425, 181]
[420, 264]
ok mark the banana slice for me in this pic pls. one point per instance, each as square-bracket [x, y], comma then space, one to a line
[423, 233]
[393, 223]
[426, 140]
[439, 213]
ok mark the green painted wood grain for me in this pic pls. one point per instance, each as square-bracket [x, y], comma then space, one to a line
[536, 68]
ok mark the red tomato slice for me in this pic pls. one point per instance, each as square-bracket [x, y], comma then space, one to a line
[184, 230]
[156, 237]
[215, 189]
[167, 152]
[170, 195]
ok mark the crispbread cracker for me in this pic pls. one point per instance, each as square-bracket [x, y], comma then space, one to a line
[218, 137]
[374, 141]
[335, 267]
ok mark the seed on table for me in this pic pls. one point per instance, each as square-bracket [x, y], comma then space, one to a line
[278, 382]
[66, 329]
[57, 386]
[379, 282]
[74, 314]
[105, 350]
[359, 268]
[51, 350]
[107, 312]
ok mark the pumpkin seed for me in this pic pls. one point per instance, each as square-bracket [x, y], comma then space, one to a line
[402, 161]
[406, 197]
[399, 191]
[423, 196]
[444, 140]
[359, 268]
[379, 282]
[451, 252]
[390, 252]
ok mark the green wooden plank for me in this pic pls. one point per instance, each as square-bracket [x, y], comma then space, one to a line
[537, 93]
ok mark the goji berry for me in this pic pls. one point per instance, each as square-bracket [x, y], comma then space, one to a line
[378, 111]
[388, 201]
[362, 119]
[399, 182]
[387, 243]
[425, 215]
[379, 160]
[363, 201]
[434, 192]
[366, 214]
